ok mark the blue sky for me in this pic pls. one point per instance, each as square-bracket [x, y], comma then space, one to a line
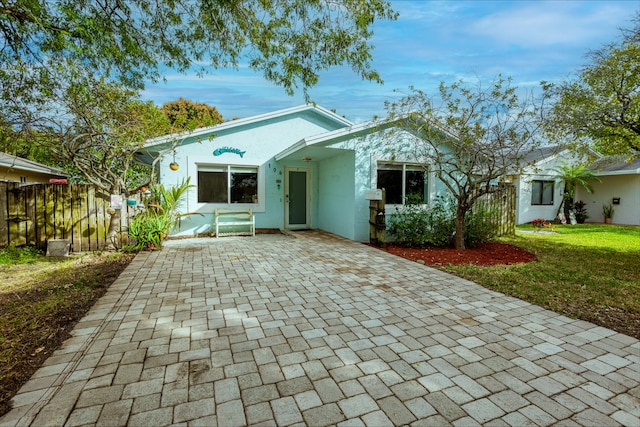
[432, 41]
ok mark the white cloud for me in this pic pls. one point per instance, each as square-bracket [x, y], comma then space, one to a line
[432, 41]
[550, 23]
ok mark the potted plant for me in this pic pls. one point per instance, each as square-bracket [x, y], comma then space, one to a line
[607, 212]
[580, 211]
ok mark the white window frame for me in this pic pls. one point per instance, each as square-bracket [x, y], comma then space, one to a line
[229, 168]
[406, 166]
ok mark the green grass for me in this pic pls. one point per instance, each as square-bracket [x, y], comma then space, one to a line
[41, 298]
[12, 255]
[586, 271]
[616, 238]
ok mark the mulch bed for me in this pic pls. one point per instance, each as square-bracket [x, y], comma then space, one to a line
[491, 253]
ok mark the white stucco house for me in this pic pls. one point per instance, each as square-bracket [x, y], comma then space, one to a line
[299, 168]
[539, 193]
[619, 186]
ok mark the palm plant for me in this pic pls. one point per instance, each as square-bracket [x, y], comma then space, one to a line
[168, 200]
[149, 229]
[573, 176]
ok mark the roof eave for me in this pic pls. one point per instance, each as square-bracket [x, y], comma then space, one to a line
[331, 137]
[619, 172]
[246, 121]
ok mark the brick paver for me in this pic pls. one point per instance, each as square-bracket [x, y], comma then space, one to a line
[313, 329]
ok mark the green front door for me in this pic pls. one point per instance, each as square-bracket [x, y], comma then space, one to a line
[297, 199]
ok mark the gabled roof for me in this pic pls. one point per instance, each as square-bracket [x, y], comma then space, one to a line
[18, 163]
[322, 112]
[616, 165]
[310, 146]
[542, 154]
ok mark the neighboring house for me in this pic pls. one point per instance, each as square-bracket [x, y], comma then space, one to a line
[538, 192]
[619, 186]
[299, 168]
[21, 170]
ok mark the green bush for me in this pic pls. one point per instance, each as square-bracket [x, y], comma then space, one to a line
[408, 225]
[416, 225]
[441, 222]
[12, 255]
[147, 230]
[478, 227]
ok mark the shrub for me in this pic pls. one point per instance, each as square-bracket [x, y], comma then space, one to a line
[19, 255]
[408, 225]
[148, 229]
[479, 227]
[441, 222]
[580, 211]
[416, 225]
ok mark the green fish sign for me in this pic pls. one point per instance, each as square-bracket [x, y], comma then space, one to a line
[222, 150]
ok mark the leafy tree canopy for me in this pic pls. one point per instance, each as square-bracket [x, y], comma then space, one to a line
[602, 105]
[290, 41]
[91, 128]
[87, 125]
[189, 115]
[469, 136]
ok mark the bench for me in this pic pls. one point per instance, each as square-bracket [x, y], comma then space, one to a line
[235, 217]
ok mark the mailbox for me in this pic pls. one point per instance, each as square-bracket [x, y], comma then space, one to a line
[373, 194]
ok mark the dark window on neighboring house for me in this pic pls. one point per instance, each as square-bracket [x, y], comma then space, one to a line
[542, 192]
[401, 180]
[228, 185]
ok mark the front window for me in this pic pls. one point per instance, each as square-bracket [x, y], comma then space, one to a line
[401, 180]
[542, 192]
[227, 184]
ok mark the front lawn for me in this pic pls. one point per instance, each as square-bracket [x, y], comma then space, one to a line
[41, 299]
[585, 271]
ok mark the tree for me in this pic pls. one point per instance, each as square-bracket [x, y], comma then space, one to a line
[130, 41]
[188, 115]
[602, 105]
[470, 137]
[291, 42]
[573, 176]
[18, 144]
[90, 126]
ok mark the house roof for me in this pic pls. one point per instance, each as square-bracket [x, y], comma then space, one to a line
[616, 165]
[18, 163]
[233, 124]
[542, 153]
[315, 147]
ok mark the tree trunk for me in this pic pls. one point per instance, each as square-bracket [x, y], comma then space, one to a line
[459, 237]
[568, 205]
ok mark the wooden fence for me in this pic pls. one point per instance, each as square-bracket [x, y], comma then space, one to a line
[502, 204]
[32, 214]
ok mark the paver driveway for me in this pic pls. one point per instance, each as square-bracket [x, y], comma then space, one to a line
[319, 330]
